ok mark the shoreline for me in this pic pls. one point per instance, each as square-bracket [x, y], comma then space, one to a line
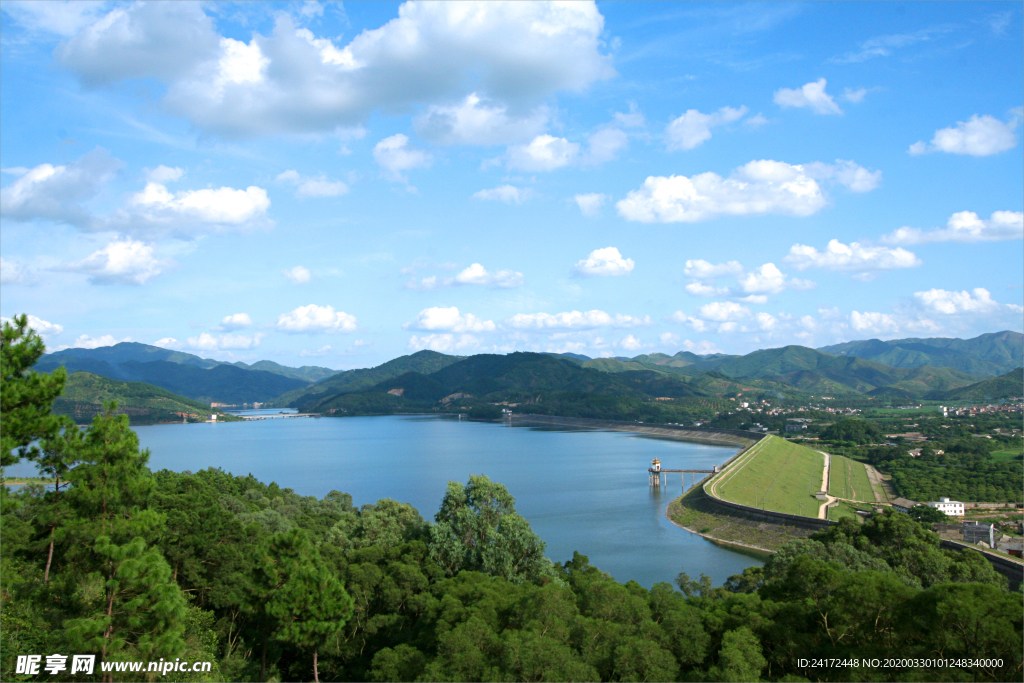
[762, 553]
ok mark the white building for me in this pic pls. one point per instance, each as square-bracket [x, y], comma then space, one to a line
[953, 508]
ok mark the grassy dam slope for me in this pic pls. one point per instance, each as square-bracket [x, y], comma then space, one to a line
[774, 474]
[849, 480]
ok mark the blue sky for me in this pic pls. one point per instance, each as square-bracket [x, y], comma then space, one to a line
[340, 184]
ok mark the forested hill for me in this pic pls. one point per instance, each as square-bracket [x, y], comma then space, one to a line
[988, 354]
[85, 394]
[190, 376]
[1009, 385]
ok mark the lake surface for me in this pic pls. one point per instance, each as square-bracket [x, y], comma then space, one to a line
[580, 489]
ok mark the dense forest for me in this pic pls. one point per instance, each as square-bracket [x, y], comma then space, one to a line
[116, 560]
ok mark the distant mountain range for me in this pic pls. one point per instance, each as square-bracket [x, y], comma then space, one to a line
[200, 379]
[795, 372]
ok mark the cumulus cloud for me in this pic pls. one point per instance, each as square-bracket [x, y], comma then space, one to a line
[855, 96]
[847, 173]
[766, 321]
[698, 288]
[632, 119]
[977, 301]
[570, 320]
[42, 327]
[590, 204]
[443, 343]
[476, 122]
[874, 323]
[604, 145]
[298, 275]
[56, 193]
[448, 320]
[313, 319]
[757, 188]
[157, 212]
[694, 128]
[630, 343]
[604, 262]
[164, 174]
[721, 311]
[850, 257]
[543, 153]
[62, 17]
[292, 81]
[980, 136]
[236, 321]
[86, 342]
[125, 262]
[313, 187]
[224, 342]
[12, 272]
[316, 353]
[965, 226]
[474, 274]
[700, 268]
[510, 194]
[810, 95]
[395, 156]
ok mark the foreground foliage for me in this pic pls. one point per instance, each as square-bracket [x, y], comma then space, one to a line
[270, 585]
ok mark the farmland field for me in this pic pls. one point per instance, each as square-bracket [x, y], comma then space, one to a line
[774, 474]
[1005, 455]
[848, 479]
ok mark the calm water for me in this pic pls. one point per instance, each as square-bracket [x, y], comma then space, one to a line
[580, 490]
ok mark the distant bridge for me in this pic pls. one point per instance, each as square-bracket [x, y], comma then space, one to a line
[279, 416]
[654, 475]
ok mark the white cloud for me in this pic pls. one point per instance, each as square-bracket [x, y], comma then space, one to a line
[700, 268]
[679, 317]
[298, 275]
[980, 136]
[126, 262]
[208, 342]
[474, 122]
[316, 353]
[811, 95]
[855, 96]
[395, 156]
[590, 204]
[604, 145]
[721, 311]
[64, 18]
[448, 320]
[965, 226]
[12, 272]
[476, 274]
[156, 212]
[874, 323]
[852, 257]
[570, 320]
[853, 176]
[693, 128]
[236, 321]
[55, 193]
[443, 343]
[543, 153]
[634, 119]
[757, 188]
[603, 262]
[977, 301]
[86, 342]
[313, 319]
[291, 81]
[883, 46]
[164, 174]
[698, 288]
[167, 343]
[510, 194]
[313, 187]
[765, 279]
[43, 328]
[766, 321]
[630, 343]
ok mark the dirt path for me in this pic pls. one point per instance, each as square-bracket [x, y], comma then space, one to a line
[823, 509]
[877, 485]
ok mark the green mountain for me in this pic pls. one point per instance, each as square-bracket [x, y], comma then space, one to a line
[306, 373]
[125, 352]
[1010, 385]
[85, 393]
[986, 355]
[423, 362]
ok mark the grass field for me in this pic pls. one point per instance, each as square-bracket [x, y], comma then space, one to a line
[848, 479]
[774, 474]
[840, 511]
[1005, 455]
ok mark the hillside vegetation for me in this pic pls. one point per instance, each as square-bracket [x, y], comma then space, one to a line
[988, 354]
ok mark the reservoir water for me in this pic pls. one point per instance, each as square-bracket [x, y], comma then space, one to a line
[580, 490]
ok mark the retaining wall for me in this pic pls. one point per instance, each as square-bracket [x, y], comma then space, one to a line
[1014, 571]
[730, 436]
